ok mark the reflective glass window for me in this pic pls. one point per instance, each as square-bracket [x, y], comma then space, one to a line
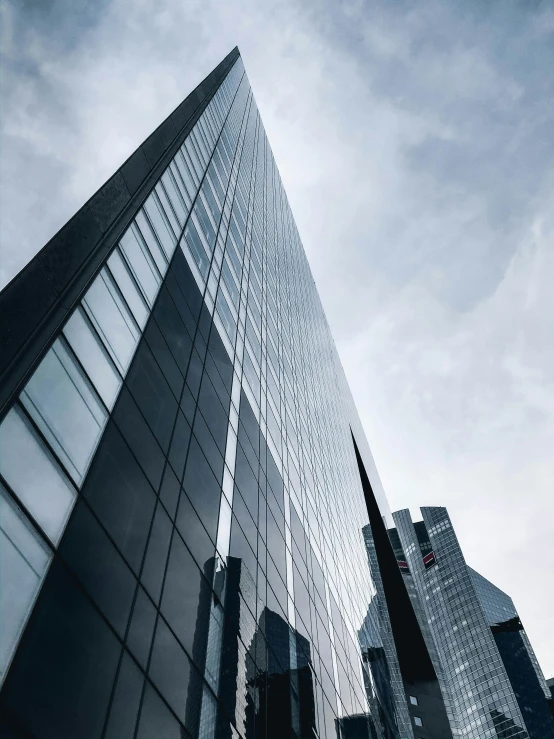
[196, 249]
[232, 253]
[213, 205]
[120, 495]
[60, 683]
[174, 197]
[91, 555]
[254, 340]
[141, 263]
[167, 209]
[239, 238]
[112, 319]
[197, 168]
[182, 592]
[170, 669]
[214, 179]
[183, 169]
[128, 287]
[205, 223]
[152, 394]
[33, 475]
[66, 409]
[156, 719]
[126, 701]
[179, 183]
[226, 316]
[156, 554]
[160, 223]
[252, 375]
[151, 240]
[230, 283]
[92, 354]
[220, 166]
[202, 488]
[23, 562]
[139, 437]
[141, 628]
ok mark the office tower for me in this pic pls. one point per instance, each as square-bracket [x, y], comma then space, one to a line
[181, 502]
[486, 665]
[398, 654]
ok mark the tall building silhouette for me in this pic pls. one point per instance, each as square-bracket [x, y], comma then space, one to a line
[489, 675]
[181, 500]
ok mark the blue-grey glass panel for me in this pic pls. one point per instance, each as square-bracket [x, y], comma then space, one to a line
[159, 222]
[23, 562]
[141, 264]
[66, 409]
[32, 473]
[128, 287]
[94, 357]
[112, 319]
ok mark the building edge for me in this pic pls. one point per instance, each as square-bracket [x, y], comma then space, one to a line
[53, 281]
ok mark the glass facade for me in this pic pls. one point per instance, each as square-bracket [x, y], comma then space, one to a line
[488, 671]
[182, 509]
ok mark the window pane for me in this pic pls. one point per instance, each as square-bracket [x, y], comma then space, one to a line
[161, 226]
[174, 197]
[33, 474]
[230, 283]
[180, 185]
[23, 562]
[196, 249]
[224, 312]
[183, 170]
[151, 241]
[141, 264]
[66, 409]
[128, 287]
[112, 319]
[93, 356]
[205, 223]
[168, 210]
[170, 669]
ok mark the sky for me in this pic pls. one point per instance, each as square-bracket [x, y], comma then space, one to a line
[416, 145]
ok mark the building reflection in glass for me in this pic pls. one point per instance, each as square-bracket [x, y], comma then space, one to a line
[259, 667]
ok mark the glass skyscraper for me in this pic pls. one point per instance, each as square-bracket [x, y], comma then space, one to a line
[490, 678]
[181, 495]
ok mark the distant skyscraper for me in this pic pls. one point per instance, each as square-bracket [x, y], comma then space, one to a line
[181, 506]
[486, 666]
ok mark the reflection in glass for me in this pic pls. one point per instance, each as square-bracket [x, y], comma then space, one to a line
[141, 263]
[112, 319]
[159, 221]
[34, 476]
[23, 562]
[66, 409]
[90, 351]
[128, 288]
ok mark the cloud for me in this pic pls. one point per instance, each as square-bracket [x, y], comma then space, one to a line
[415, 143]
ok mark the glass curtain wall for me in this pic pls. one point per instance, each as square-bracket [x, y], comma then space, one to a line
[182, 511]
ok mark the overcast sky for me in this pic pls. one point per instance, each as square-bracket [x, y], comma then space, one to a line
[415, 141]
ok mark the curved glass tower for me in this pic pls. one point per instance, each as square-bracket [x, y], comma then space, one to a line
[181, 505]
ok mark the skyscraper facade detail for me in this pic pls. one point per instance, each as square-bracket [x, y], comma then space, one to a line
[488, 672]
[181, 508]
